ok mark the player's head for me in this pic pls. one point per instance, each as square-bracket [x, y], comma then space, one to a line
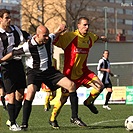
[106, 54]
[5, 18]
[83, 25]
[42, 34]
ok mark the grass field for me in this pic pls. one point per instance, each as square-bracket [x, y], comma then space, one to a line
[104, 122]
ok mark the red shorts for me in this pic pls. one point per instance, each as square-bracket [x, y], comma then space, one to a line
[84, 80]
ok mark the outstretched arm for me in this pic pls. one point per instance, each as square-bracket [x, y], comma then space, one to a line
[6, 57]
[61, 28]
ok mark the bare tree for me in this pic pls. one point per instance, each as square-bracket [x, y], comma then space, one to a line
[33, 13]
[51, 11]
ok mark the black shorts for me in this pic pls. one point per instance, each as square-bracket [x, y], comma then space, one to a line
[13, 76]
[109, 85]
[49, 77]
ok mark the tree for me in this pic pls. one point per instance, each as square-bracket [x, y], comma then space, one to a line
[53, 12]
[33, 13]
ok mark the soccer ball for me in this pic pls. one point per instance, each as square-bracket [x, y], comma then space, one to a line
[129, 123]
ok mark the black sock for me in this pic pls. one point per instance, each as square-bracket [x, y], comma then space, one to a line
[18, 106]
[107, 98]
[3, 100]
[11, 112]
[27, 107]
[74, 104]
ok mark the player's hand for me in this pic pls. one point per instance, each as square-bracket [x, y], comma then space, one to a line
[116, 76]
[61, 28]
[104, 38]
[112, 74]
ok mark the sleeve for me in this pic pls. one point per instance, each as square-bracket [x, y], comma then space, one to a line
[94, 37]
[16, 52]
[100, 65]
[22, 50]
[63, 40]
[52, 36]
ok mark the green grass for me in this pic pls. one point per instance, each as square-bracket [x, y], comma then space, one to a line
[104, 122]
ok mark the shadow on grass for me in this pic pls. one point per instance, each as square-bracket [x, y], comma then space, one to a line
[74, 128]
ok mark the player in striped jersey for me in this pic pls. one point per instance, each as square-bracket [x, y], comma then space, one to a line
[104, 71]
[38, 57]
[13, 75]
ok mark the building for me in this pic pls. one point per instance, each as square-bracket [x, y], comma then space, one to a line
[14, 8]
[107, 17]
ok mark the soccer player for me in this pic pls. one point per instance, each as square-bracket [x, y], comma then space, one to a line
[38, 57]
[13, 75]
[104, 71]
[76, 45]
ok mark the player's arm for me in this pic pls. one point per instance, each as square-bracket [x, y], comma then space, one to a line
[6, 57]
[106, 70]
[61, 28]
[10, 55]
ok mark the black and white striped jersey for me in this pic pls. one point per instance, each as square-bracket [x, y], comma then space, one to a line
[9, 40]
[36, 56]
[103, 75]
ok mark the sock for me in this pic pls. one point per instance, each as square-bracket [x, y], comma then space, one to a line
[3, 100]
[93, 95]
[107, 98]
[74, 104]
[46, 101]
[18, 106]
[51, 97]
[27, 107]
[56, 110]
[11, 112]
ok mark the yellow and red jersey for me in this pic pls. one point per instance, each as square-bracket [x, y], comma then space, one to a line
[76, 48]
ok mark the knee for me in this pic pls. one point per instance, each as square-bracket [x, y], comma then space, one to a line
[101, 87]
[72, 87]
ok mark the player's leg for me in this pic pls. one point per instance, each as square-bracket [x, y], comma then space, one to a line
[57, 107]
[52, 95]
[27, 106]
[47, 97]
[47, 105]
[108, 95]
[19, 95]
[10, 93]
[96, 90]
[70, 86]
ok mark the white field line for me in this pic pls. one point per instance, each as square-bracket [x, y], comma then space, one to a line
[96, 123]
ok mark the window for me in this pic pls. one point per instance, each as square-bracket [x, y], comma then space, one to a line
[128, 1]
[118, 1]
[120, 21]
[112, 1]
[129, 22]
[130, 12]
[120, 11]
[129, 32]
[110, 10]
